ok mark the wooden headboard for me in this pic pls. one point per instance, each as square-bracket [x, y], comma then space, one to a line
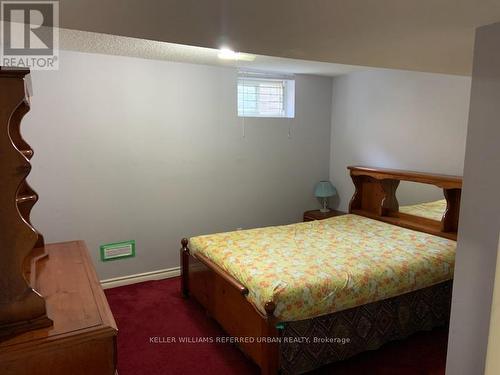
[375, 197]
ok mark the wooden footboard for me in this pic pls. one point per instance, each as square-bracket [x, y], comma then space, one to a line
[225, 300]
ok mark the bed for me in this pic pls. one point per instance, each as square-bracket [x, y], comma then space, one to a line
[320, 267]
[374, 275]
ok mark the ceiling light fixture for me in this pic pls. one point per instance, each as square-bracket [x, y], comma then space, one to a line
[228, 54]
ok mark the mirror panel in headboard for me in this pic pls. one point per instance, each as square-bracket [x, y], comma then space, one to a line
[375, 197]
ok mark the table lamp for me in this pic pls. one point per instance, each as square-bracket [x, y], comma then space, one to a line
[325, 190]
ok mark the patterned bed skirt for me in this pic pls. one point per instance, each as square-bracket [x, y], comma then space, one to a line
[343, 334]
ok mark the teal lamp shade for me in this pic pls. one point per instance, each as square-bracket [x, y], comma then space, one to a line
[325, 190]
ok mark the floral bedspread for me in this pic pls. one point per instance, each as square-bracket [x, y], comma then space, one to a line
[319, 267]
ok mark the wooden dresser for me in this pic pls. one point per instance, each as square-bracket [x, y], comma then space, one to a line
[82, 339]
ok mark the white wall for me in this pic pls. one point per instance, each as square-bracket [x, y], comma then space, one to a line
[480, 214]
[397, 119]
[129, 148]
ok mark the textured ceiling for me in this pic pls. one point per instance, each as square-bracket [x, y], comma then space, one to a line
[125, 46]
[423, 35]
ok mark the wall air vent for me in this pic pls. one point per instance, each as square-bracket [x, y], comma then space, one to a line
[117, 250]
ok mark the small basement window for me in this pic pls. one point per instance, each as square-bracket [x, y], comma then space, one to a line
[265, 95]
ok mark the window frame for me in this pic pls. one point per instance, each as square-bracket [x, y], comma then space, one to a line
[288, 87]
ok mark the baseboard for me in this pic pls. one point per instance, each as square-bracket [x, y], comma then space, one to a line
[140, 277]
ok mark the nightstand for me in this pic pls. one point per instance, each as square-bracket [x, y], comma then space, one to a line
[318, 215]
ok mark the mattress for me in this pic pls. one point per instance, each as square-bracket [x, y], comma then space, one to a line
[320, 267]
[429, 210]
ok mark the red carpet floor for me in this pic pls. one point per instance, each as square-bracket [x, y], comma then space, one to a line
[155, 309]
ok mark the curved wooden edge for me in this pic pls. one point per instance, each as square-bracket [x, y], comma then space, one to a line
[449, 222]
[15, 129]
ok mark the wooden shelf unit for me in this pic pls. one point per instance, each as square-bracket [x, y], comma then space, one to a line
[54, 317]
[22, 307]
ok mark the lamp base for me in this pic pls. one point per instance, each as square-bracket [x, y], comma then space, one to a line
[325, 208]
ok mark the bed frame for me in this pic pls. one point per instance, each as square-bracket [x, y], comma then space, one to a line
[224, 297]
